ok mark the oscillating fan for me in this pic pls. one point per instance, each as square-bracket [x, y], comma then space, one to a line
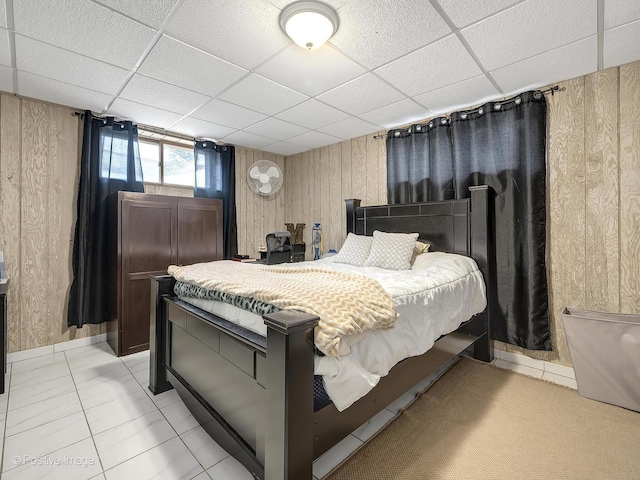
[264, 177]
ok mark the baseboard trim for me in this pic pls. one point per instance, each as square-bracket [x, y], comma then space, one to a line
[532, 367]
[58, 347]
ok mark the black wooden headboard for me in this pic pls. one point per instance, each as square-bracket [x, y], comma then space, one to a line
[455, 226]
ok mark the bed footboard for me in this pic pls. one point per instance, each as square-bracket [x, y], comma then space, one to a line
[258, 407]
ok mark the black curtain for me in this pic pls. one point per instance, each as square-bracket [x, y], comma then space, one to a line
[503, 144]
[110, 162]
[216, 178]
[424, 167]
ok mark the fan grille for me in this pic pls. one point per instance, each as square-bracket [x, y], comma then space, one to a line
[264, 177]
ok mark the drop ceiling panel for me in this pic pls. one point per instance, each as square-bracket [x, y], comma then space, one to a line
[144, 114]
[68, 67]
[284, 148]
[180, 64]
[278, 129]
[162, 95]
[228, 114]
[6, 79]
[362, 95]
[350, 128]
[530, 28]
[42, 88]
[579, 58]
[249, 140]
[314, 139]
[465, 13]
[374, 32]
[245, 33]
[310, 71]
[5, 53]
[84, 27]
[258, 93]
[442, 63]
[336, 4]
[201, 129]
[149, 13]
[619, 12]
[621, 45]
[399, 113]
[459, 96]
[312, 114]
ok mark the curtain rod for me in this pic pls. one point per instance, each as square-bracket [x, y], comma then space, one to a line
[550, 90]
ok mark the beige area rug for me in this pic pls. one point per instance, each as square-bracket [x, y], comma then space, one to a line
[479, 422]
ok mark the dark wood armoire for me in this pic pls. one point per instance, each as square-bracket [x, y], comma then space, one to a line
[149, 233]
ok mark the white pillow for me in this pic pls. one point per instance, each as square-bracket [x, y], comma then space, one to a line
[355, 250]
[392, 251]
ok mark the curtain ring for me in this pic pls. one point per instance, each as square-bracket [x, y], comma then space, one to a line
[396, 133]
[480, 111]
[497, 106]
[518, 101]
[430, 124]
[463, 116]
[537, 94]
[418, 127]
[443, 121]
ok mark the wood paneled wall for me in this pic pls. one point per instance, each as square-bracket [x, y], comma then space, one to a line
[39, 151]
[257, 215]
[593, 254]
[318, 181]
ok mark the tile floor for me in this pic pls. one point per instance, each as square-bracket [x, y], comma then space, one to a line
[84, 413]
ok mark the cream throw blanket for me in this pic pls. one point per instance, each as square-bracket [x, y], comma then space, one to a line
[346, 303]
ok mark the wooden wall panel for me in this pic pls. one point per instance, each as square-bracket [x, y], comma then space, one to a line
[10, 210]
[34, 216]
[601, 210]
[630, 188]
[346, 184]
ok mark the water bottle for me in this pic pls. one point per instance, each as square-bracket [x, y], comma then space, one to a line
[316, 241]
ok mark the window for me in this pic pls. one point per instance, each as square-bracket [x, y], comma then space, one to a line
[166, 159]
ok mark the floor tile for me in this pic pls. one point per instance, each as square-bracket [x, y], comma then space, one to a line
[109, 390]
[137, 361]
[142, 377]
[518, 368]
[38, 362]
[74, 462]
[35, 414]
[402, 402]
[132, 438]
[205, 449]
[165, 398]
[373, 426]
[46, 438]
[333, 457]
[118, 411]
[99, 373]
[179, 417]
[168, 461]
[43, 391]
[202, 476]
[560, 380]
[38, 375]
[229, 469]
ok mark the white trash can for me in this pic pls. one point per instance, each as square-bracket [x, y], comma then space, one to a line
[605, 350]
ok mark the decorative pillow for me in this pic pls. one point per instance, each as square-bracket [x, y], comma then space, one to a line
[392, 251]
[419, 248]
[355, 250]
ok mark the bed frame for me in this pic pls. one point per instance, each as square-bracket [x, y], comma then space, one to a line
[257, 403]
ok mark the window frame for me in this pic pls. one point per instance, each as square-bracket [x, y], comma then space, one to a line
[161, 142]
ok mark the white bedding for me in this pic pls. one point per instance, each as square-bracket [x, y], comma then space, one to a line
[433, 298]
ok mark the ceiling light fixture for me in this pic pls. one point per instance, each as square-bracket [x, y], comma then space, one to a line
[309, 24]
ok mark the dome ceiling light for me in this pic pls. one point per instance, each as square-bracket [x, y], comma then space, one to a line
[309, 24]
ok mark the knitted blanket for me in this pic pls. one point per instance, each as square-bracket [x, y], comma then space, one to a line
[346, 303]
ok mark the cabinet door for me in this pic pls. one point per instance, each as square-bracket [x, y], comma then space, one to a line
[199, 231]
[149, 246]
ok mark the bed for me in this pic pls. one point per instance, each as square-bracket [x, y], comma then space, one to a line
[258, 402]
